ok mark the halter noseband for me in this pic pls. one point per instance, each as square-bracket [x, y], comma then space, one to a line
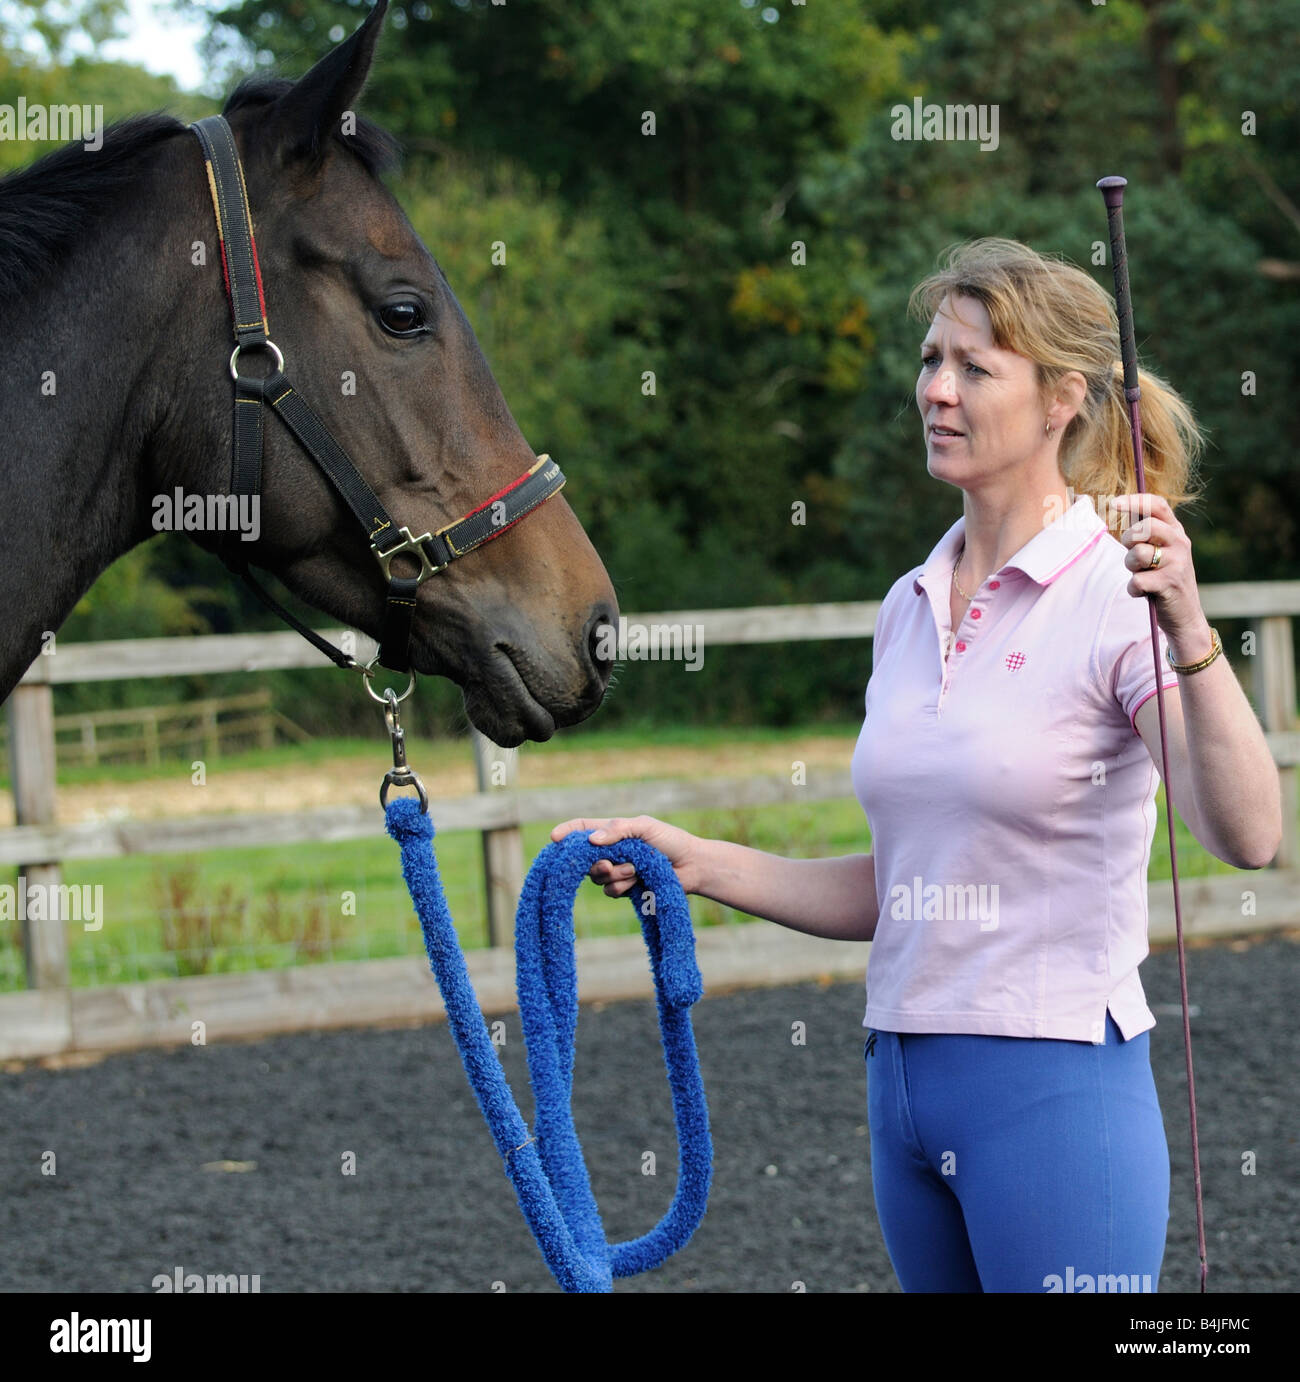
[433, 551]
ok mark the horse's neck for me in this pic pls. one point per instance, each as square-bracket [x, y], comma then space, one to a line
[93, 356]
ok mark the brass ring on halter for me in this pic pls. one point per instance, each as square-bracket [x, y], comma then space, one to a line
[367, 673]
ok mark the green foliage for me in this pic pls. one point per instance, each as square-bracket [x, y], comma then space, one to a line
[53, 23]
[753, 257]
[33, 65]
[134, 598]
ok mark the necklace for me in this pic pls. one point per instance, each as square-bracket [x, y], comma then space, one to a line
[955, 581]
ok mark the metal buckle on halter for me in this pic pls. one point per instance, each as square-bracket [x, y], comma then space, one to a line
[413, 545]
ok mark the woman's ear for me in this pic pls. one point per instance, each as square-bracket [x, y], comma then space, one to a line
[1071, 389]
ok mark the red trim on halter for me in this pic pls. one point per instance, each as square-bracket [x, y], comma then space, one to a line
[252, 245]
[514, 484]
[257, 271]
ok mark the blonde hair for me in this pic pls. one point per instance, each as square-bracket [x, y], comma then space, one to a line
[1059, 317]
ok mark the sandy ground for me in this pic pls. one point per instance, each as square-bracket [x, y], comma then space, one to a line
[354, 779]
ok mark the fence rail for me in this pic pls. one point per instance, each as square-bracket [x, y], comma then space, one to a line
[144, 734]
[38, 844]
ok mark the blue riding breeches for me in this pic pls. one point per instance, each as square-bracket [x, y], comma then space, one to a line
[1018, 1164]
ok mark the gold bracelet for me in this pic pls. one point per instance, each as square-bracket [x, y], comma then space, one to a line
[1204, 662]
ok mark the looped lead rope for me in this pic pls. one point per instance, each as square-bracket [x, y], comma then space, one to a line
[546, 1167]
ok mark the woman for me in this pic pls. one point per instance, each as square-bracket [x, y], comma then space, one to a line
[1008, 766]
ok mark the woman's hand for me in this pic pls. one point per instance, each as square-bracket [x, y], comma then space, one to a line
[675, 844]
[1172, 583]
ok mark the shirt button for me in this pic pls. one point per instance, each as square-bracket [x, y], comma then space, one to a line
[975, 614]
[961, 647]
[993, 585]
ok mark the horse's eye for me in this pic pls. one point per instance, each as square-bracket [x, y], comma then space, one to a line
[402, 318]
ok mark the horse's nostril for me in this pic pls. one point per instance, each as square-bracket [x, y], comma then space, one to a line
[602, 640]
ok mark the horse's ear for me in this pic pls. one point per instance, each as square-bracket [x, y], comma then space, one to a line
[304, 117]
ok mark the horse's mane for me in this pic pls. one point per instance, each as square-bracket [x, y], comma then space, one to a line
[45, 208]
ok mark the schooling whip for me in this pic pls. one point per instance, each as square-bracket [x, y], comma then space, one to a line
[546, 1167]
[1112, 191]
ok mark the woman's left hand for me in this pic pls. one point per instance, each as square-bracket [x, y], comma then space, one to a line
[1172, 582]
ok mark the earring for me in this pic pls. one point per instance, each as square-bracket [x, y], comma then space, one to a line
[1048, 429]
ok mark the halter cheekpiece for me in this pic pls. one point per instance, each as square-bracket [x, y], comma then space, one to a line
[388, 540]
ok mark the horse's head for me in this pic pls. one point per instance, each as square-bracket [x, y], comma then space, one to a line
[375, 342]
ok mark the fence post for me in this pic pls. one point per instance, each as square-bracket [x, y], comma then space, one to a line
[1276, 692]
[211, 736]
[503, 850]
[265, 720]
[32, 769]
[89, 751]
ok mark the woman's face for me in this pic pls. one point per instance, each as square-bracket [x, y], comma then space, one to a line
[989, 397]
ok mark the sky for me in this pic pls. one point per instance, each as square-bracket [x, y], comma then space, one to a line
[161, 41]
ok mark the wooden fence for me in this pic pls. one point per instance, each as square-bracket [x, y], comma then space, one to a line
[147, 734]
[37, 844]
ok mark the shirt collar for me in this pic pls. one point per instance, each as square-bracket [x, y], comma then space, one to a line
[1043, 558]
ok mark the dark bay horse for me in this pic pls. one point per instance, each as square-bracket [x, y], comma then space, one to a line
[116, 337]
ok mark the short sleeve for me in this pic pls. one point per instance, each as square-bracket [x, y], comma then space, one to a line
[881, 633]
[1124, 656]
[884, 617]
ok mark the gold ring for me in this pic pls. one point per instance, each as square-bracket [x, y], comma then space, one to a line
[1155, 560]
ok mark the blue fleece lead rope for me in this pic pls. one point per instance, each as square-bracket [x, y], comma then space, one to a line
[547, 1168]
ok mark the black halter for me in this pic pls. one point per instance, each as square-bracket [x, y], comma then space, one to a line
[432, 551]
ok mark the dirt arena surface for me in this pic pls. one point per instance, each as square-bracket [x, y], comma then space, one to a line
[229, 1160]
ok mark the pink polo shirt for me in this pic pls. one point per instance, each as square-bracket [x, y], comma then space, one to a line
[1010, 797]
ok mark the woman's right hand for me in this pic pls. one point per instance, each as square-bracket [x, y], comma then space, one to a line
[679, 846]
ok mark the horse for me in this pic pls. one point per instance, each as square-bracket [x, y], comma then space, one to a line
[116, 332]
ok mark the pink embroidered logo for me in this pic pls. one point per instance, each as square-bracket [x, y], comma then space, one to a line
[1015, 661]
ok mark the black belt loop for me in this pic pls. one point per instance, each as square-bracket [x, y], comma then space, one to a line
[395, 630]
[246, 469]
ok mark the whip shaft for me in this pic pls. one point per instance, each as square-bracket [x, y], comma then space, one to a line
[1112, 191]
